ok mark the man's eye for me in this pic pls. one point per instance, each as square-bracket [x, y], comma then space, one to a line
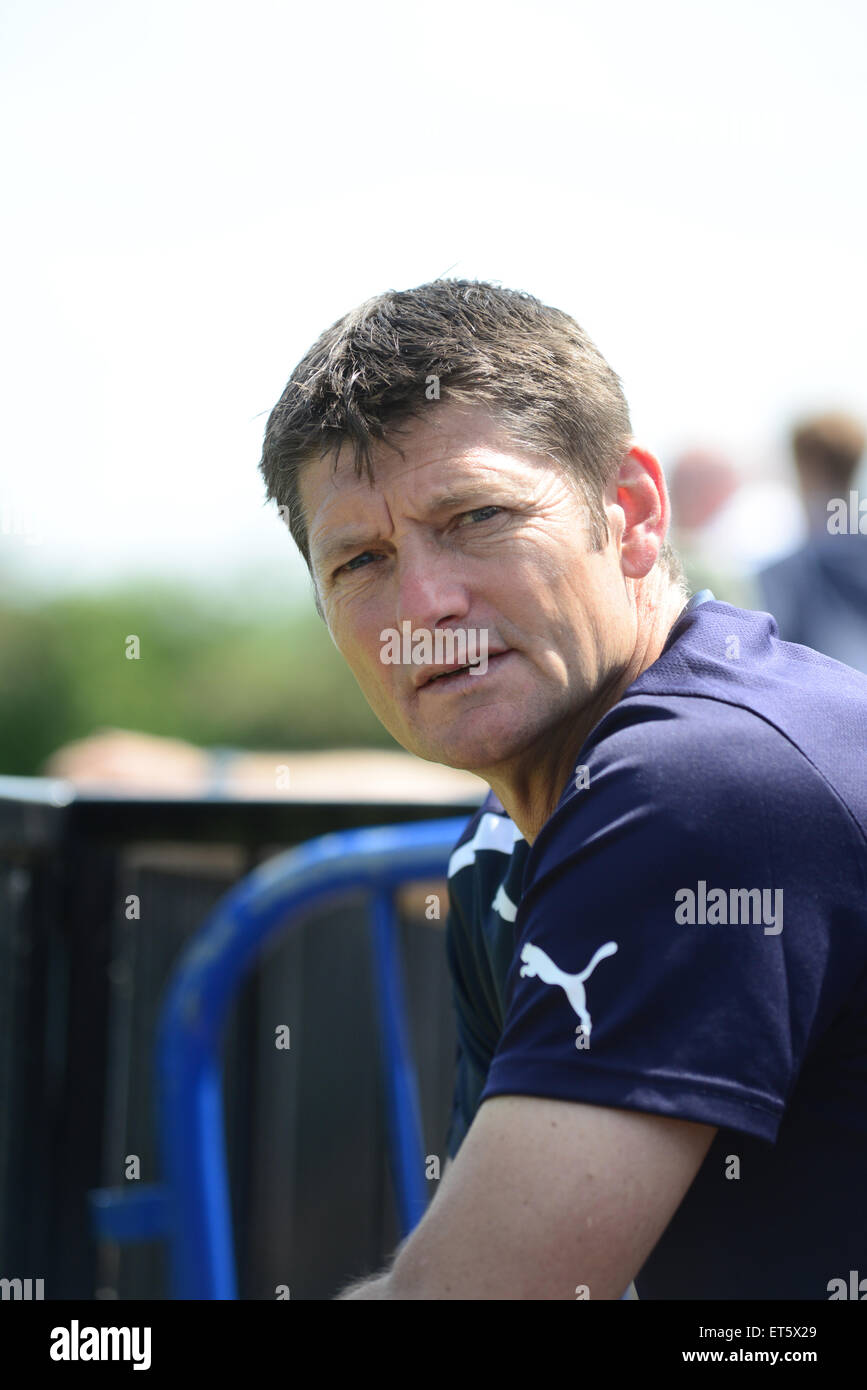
[477, 515]
[353, 564]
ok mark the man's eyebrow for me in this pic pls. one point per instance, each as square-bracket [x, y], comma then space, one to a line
[459, 497]
[343, 541]
[441, 502]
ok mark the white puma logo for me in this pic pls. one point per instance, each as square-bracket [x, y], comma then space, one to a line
[538, 963]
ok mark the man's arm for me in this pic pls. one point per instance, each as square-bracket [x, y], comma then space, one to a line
[367, 1288]
[544, 1199]
[377, 1286]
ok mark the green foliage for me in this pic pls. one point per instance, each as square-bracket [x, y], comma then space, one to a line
[253, 674]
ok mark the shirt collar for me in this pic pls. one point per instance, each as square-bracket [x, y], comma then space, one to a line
[703, 596]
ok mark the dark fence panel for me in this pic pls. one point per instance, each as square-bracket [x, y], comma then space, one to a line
[81, 979]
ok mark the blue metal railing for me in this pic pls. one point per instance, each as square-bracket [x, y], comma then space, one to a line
[190, 1208]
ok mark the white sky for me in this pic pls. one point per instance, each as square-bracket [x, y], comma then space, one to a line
[193, 191]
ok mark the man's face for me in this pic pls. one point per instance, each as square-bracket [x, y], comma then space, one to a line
[468, 533]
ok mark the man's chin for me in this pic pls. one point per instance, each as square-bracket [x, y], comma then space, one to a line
[479, 755]
[477, 738]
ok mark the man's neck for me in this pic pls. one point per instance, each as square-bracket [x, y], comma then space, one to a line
[530, 794]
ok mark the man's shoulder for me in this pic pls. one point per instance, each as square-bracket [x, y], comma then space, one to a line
[682, 760]
[728, 693]
[687, 774]
[667, 738]
[736, 655]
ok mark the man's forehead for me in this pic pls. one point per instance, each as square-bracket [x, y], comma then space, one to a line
[442, 462]
[441, 435]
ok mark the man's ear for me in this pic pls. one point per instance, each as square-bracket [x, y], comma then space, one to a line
[642, 499]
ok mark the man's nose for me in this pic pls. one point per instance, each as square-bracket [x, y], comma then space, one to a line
[431, 588]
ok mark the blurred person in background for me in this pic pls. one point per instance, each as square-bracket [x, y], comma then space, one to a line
[726, 526]
[818, 594]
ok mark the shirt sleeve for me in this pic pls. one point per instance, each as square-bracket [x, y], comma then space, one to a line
[617, 998]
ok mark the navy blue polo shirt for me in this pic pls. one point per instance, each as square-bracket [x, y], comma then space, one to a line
[687, 936]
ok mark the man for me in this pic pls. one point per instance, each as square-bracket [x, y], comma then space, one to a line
[658, 924]
[818, 594]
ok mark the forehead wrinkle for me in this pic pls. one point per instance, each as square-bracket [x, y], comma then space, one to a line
[482, 470]
[444, 501]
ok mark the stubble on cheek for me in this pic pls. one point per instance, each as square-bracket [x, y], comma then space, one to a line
[380, 684]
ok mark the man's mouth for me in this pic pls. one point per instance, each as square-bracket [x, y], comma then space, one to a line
[466, 675]
[446, 675]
